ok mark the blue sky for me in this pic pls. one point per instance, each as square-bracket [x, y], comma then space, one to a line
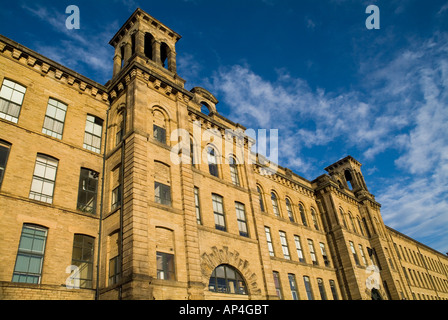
[308, 68]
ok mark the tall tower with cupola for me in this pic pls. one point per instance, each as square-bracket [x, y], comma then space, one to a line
[148, 42]
[357, 232]
[141, 214]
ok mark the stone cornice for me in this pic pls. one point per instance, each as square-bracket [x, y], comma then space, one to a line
[343, 161]
[417, 243]
[139, 13]
[284, 180]
[154, 80]
[48, 67]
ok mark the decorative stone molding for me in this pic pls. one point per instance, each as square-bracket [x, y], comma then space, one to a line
[31, 61]
[16, 53]
[46, 66]
[258, 169]
[210, 261]
[58, 74]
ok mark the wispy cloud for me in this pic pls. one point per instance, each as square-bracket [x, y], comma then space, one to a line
[79, 49]
[443, 9]
[406, 111]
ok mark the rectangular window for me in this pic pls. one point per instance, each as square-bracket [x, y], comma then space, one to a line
[93, 133]
[299, 248]
[44, 178]
[162, 193]
[115, 186]
[11, 100]
[212, 160]
[87, 191]
[293, 286]
[269, 240]
[218, 210]
[197, 205]
[278, 287]
[284, 243]
[114, 270]
[113, 250]
[234, 172]
[320, 285]
[363, 257]
[116, 198]
[324, 254]
[82, 257]
[118, 137]
[309, 292]
[355, 256]
[4, 155]
[241, 219]
[165, 266]
[30, 256]
[160, 134]
[54, 119]
[312, 252]
[333, 290]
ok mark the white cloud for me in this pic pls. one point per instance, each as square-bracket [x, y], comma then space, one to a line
[443, 9]
[80, 49]
[406, 111]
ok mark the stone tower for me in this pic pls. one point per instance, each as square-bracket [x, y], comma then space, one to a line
[148, 101]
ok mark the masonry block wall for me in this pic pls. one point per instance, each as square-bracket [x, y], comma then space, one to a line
[158, 229]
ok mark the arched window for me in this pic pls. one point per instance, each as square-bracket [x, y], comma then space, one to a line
[289, 209]
[159, 125]
[360, 226]
[343, 217]
[149, 39]
[275, 204]
[82, 257]
[212, 162]
[349, 179]
[164, 53]
[30, 255]
[366, 226]
[162, 183]
[234, 171]
[192, 153]
[260, 198]
[44, 178]
[314, 218]
[378, 227]
[302, 214]
[227, 279]
[352, 222]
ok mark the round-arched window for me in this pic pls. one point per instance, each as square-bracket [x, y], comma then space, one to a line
[226, 279]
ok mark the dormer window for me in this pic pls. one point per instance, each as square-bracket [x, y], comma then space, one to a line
[205, 109]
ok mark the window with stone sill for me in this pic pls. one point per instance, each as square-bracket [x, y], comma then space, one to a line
[11, 99]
